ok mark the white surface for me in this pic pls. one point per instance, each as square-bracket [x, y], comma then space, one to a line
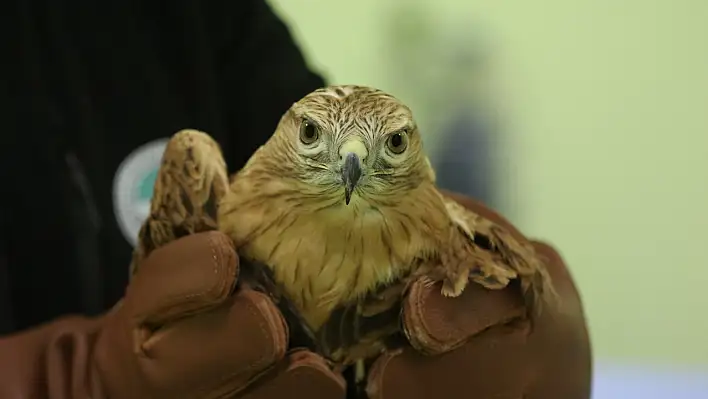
[612, 381]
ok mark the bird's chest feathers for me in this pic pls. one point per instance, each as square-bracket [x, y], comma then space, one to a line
[336, 255]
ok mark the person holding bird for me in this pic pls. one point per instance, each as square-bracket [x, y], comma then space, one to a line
[295, 245]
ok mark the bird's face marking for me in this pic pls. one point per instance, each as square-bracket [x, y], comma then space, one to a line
[352, 141]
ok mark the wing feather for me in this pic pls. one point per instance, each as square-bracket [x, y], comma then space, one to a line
[191, 181]
[501, 257]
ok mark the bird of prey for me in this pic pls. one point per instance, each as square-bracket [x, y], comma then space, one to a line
[338, 206]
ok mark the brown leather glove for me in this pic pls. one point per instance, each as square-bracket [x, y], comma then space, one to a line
[178, 333]
[482, 345]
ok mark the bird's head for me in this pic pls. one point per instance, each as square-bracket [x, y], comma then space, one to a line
[350, 143]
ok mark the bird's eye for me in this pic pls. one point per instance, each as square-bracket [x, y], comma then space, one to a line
[309, 133]
[398, 142]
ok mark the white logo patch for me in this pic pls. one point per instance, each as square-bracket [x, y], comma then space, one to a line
[133, 185]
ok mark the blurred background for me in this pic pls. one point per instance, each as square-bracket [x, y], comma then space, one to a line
[584, 122]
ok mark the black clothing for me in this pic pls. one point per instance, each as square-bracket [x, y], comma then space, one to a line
[89, 82]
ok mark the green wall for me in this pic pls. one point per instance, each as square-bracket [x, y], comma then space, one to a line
[605, 108]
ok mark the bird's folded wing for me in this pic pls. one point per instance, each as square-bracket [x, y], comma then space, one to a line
[503, 257]
[189, 184]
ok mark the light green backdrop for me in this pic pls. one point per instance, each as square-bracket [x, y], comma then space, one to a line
[606, 134]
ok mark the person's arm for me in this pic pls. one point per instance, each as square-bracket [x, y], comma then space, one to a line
[261, 71]
[7, 322]
[6, 314]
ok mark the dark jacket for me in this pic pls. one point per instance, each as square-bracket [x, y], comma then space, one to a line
[87, 84]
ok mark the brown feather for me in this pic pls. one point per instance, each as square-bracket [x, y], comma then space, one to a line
[191, 181]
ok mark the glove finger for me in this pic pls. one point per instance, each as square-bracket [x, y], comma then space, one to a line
[221, 350]
[302, 374]
[184, 277]
[435, 324]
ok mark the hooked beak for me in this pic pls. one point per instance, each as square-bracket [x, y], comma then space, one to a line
[351, 173]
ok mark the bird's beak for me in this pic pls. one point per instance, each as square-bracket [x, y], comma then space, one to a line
[351, 173]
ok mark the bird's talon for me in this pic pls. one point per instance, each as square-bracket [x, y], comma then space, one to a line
[451, 290]
[427, 282]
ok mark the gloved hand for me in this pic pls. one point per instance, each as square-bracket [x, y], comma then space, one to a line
[179, 332]
[481, 345]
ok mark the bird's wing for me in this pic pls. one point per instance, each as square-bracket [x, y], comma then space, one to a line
[476, 249]
[190, 183]
[493, 256]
